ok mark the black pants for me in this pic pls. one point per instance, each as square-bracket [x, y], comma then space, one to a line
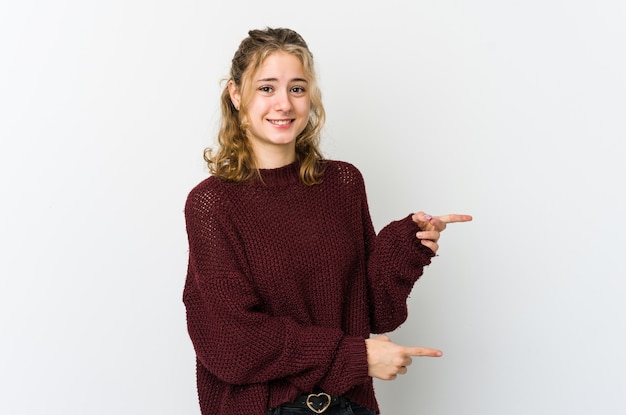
[349, 409]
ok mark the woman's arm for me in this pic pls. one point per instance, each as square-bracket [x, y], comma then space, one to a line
[396, 258]
[396, 261]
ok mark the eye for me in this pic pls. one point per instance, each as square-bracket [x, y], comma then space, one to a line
[266, 89]
[298, 90]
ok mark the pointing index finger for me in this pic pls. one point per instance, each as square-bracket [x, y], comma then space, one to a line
[423, 351]
[452, 218]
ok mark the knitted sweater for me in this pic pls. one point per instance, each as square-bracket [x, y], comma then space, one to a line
[285, 281]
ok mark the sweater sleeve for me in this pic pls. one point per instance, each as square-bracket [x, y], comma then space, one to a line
[234, 336]
[395, 260]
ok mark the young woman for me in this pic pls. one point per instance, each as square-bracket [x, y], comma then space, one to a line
[287, 277]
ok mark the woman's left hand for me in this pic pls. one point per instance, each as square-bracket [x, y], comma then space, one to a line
[432, 226]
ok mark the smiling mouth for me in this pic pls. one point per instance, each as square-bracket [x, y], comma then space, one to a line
[280, 122]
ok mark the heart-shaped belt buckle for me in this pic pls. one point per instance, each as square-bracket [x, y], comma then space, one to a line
[315, 401]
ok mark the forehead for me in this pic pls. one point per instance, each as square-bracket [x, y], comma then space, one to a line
[280, 66]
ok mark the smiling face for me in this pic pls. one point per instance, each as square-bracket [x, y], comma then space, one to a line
[278, 109]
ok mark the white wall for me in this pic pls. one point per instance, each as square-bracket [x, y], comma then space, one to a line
[511, 111]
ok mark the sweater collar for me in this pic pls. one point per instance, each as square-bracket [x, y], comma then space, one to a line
[280, 176]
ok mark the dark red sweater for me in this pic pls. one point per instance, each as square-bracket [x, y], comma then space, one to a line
[285, 282]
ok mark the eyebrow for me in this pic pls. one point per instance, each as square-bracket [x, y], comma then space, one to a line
[276, 80]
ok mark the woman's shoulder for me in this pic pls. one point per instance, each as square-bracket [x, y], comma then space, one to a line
[208, 195]
[343, 171]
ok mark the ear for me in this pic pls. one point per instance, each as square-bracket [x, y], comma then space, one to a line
[235, 95]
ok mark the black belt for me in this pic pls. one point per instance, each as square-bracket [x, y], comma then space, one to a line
[317, 402]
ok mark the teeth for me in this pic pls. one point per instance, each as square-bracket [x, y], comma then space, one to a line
[280, 122]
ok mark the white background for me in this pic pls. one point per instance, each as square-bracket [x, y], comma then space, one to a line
[512, 111]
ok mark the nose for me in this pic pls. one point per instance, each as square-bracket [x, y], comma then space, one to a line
[282, 102]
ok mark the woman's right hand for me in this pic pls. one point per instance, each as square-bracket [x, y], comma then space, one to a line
[386, 360]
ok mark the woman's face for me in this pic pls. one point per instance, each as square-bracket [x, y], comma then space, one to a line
[278, 110]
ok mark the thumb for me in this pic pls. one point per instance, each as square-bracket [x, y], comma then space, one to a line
[421, 217]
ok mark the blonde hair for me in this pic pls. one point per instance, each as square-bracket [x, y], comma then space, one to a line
[233, 160]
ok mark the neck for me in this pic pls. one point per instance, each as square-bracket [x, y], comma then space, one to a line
[274, 157]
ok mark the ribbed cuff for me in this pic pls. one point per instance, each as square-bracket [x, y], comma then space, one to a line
[349, 368]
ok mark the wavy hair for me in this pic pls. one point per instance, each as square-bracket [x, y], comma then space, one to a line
[233, 160]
